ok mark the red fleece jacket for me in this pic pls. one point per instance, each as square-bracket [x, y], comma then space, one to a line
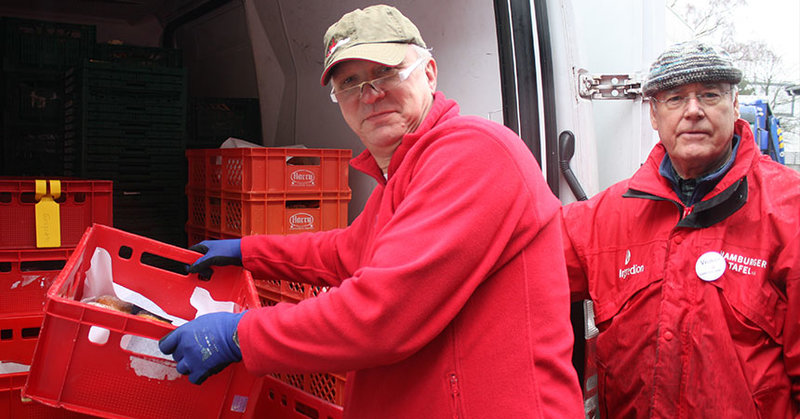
[449, 297]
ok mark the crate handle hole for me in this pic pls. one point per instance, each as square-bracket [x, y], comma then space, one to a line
[79, 197]
[30, 332]
[6, 334]
[5, 197]
[302, 161]
[125, 252]
[308, 203]
[5, 266]
[42, 265]
[306, 410]
[164, 263]
[27, 198]
[98, 335]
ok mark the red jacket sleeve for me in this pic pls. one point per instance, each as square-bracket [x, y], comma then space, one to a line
[578, 283]
[787, 273]
[434, 241]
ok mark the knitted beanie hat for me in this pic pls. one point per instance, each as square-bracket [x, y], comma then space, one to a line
[690, 62]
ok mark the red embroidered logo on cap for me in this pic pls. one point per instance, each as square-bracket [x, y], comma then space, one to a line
[336, 44]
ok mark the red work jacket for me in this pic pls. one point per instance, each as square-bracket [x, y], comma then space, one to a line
[450, 297]
[698, 308]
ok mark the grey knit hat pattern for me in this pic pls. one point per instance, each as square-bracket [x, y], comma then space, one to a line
[690, 62]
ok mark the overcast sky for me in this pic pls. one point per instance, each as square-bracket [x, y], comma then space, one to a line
[776, 23]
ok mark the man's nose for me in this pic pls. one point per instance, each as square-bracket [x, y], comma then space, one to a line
[693, 106]
[370, 93]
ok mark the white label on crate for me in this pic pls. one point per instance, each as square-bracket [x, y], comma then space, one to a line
[303, 177]
[30, 279]
[142, 346]
[239, 404]
[301, 221]
[13, 367]
[155, 369]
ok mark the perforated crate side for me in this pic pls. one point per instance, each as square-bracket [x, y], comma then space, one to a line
[25, 277]
[248, 214]
[40, 44]
[13, 405]
[285, 170]
[82, 203]
[281, 400]
[18, 336]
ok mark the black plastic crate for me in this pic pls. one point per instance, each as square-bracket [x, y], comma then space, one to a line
[29, 43]
[139, 55]
[34, 96]
[32, 149]
[212, 120]
[126, 78]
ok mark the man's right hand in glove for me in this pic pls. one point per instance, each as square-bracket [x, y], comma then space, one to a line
[216, 253]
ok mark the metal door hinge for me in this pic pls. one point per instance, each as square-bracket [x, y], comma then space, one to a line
[609, 86]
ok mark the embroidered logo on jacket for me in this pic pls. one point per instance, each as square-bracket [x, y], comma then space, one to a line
[630, 270]
[743, 264]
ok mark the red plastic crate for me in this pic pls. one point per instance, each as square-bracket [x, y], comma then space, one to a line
[196, 234]
[81, 204]
[238, 215]
[26, 275]
[248, 214]
[107, 378]
[327, 386]
[12, 405]
[18, 336]
[270, 286]
[205, 169]
[263, 170]
[280, 400]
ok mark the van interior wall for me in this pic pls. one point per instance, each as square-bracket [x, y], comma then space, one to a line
[272, 49]
[144, 32]
[287, 54]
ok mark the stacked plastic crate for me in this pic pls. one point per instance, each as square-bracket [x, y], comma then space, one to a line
[237, 192]
[35, 55]
[212, 120]
[42, 221]
[126, 121]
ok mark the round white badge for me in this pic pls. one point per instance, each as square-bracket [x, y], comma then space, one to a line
[710, 266]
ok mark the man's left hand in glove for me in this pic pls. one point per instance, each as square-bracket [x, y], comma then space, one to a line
[204, 346]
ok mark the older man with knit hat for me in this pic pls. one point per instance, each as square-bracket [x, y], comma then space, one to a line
[693, 264]
[448, 294]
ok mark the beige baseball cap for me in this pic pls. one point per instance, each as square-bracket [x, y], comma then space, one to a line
[377, 33]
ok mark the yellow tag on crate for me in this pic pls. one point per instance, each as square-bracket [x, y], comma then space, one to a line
[48, 215]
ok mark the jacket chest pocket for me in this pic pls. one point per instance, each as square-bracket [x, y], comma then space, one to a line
[621, 274]
[756, 305]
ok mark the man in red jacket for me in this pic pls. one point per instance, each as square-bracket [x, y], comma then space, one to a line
[449, 294]
[693, 264]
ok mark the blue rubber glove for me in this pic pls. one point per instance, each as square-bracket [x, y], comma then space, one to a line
[216, 252]
[204, 346]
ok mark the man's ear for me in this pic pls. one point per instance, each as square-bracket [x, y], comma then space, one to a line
[430, 73]
[653, 121]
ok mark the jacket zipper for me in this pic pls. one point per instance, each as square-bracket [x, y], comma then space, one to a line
[687, 211]
[455, 393]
